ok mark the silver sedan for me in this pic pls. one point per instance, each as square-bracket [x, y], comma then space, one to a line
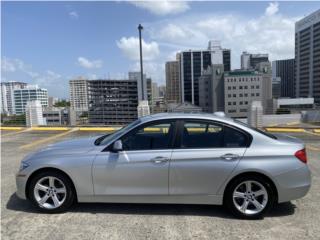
[170, 158]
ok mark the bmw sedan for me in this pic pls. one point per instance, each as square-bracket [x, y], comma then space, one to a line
[170, 158]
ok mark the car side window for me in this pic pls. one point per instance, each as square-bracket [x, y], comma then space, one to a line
[234, 138]
[211, 135]
[201, 135]
[153, 136]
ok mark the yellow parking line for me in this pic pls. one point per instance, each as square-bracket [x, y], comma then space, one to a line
[11, 128]
[311, 133]
[313, 148]
[285, 130]
[99, 128]
[316, 130]
[48, 139]
[14, 133]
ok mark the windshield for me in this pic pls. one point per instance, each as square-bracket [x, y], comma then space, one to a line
[106, 138]
[256, 129]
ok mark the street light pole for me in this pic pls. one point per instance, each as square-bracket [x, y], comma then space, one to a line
[141, 65]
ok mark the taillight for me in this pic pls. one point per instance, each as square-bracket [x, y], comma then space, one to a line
[301, 155]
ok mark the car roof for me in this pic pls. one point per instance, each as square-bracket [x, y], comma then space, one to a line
[205, 116]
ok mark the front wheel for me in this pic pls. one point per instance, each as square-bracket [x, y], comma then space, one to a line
[249, 197]
[51, 192]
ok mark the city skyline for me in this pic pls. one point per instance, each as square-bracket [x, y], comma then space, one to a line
[76, 39]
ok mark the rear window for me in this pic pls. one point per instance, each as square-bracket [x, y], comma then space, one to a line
[257, 130]
[211, 135]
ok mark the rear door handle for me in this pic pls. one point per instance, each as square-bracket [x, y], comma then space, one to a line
[158, 160]
[230, 156]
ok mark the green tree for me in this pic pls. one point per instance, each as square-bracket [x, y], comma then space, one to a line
[62, 103]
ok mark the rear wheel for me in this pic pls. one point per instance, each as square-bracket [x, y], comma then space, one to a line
[51, 192]
[249, 197]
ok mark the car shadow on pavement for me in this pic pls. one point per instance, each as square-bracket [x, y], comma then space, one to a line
[283, 209]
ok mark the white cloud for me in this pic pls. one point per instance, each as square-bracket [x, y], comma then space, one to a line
[53, 74]
[130, 48]
[73, 15]
[7, 66]
[174, 32]
[84, 62]
[163, 7]
[272, 9]
[270, 33]
[17, 65]
[21, 71]
[54, 82]
[153, 69]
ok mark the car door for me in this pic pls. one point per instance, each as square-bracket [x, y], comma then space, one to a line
[206, 155]
[142, 167]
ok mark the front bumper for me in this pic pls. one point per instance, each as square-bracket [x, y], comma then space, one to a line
[293, 184]
[21, 182]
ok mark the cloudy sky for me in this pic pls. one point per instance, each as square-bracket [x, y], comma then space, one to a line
[49, 43]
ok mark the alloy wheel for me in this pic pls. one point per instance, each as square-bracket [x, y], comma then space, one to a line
[50, 192]
[250, 197]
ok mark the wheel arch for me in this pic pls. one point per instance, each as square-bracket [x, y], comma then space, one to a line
[252, 173]
[53, 169]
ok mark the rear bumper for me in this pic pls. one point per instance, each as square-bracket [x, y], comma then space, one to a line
[293, 184]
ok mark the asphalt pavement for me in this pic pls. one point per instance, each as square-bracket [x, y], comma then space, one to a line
[297, 219]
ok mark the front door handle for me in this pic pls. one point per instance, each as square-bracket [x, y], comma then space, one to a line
[158, 160]
[230, 156]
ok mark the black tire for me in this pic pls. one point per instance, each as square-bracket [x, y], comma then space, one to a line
[70, 192]
[228, 197]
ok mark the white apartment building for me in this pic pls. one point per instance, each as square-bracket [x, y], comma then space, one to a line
[243, 87]
[79, 95]
[34, 114]
[29, 93]
[7, 99]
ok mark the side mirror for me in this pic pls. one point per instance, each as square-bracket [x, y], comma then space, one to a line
[117, 146]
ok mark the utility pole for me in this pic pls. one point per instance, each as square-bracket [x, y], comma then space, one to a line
[143, 106]
[140, 28]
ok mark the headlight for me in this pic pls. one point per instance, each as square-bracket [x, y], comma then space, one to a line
[23, 165]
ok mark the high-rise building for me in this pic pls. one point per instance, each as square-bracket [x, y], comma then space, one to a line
[276, 87]
[241, 87]
[112, 102]
[162, 91]
[154, 91]
[172, 82]
[226, 59]
[245, 60]
[211, 89]
[255, 59]
[250, 61]
[284, 70]
[7, 99]
[79, 95]
[193, 62]
[34, 113]
[149, 90]
[29, 93]
[307, 57]
[52, 101]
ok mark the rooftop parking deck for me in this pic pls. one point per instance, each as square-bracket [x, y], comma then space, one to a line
[294, 220]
